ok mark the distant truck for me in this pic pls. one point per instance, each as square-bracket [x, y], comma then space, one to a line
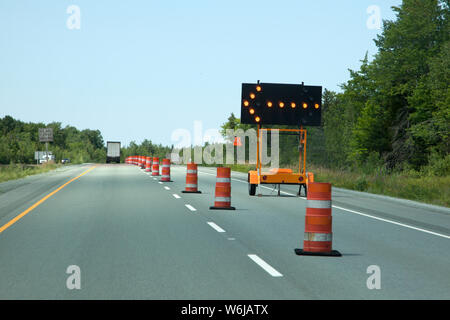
[112, 151]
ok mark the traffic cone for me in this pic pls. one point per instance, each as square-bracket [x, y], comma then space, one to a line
[191, 179]
[155, 166]
[318, 226]
[222, 199]
[165, 170]
[147, 164]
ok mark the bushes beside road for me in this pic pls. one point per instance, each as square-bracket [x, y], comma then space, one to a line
[17, 171]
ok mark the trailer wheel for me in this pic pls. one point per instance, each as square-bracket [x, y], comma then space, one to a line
[251, 189]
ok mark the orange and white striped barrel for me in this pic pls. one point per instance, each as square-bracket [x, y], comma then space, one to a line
[147, 164]
[143, 161]
[222, 198]
[155, 166]
[165, 170]
[191, 179]
[318, 235]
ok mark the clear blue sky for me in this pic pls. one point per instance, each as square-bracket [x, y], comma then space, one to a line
[141, 69]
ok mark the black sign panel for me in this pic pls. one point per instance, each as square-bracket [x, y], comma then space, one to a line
[283, 104]
[45, 134]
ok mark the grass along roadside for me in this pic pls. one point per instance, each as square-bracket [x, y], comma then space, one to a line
[17, 171]
[423, 188]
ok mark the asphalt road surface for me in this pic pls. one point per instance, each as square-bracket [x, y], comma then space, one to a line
[133, 237]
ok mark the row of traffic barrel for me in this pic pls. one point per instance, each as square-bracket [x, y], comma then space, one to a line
[318, 219]
[151, 165]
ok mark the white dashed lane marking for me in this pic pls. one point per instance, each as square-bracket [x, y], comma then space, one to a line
[190, 207]
[268, 268]
[215, 227]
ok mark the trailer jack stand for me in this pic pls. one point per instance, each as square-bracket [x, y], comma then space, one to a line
[300, 190]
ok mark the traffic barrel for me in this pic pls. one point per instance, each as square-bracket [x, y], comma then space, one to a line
[191, 179]
[148, 165]
[155, 166]
[143, 160]
[318, 222]
[165, 170]
[222, 199]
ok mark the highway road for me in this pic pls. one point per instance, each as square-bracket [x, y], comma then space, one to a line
[133, 237]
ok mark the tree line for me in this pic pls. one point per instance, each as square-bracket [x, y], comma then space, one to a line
[146, 148]
[19, 141]
[394, 112]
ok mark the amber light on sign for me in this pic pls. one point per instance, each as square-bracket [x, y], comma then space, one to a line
[246, 103]
[258, 88]
[269, 104]
[257, 119]
[293, 105]
[281, 104]
[252, 111]
[252, 96]
[305, 105]
[316, 106]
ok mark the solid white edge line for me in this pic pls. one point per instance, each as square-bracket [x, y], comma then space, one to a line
[393, 222]
[190, 207]
[159, 182]
[167, 188]
[265, 265]
[215, 227]
[360, 213]
[176, 196]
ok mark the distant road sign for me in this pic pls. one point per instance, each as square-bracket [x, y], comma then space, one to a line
[39, 155]
[45, 134]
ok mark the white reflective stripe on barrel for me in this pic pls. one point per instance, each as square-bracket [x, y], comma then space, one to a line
[312, 236]
[164, 176]
[318, 204]
[192, 171]
[223, 199]
[191, 186]
[223, 180]
[165, 166]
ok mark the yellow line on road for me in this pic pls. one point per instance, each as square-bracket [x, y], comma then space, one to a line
[20, 216]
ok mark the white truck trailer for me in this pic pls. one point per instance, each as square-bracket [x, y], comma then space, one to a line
[112, 151]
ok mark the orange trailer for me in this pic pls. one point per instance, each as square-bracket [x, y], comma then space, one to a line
[278, 176]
